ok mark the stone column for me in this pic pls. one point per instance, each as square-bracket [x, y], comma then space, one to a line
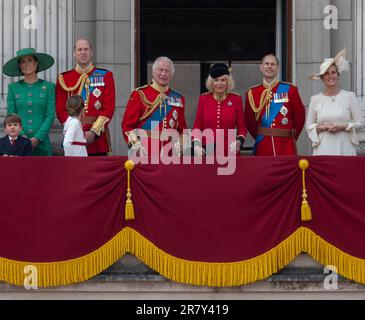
[45, 25]
[313, 43]
[113, 38]
[359, 65]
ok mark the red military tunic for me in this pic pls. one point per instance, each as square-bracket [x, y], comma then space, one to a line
[218, 116]
[281, 135]
[152, 104]
[98, 90]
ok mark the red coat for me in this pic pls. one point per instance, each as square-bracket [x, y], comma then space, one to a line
[100, 105]
[140, 111]
[218, 116]
[292, 117]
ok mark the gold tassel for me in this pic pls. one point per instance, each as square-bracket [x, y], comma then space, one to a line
[306, 212]
[129, 209]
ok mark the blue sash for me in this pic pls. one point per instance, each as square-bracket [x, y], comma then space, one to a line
[157, 116]
[274, 110]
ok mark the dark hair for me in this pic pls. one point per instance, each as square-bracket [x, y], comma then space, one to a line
[270, 54]
[74, 105]
[12, 118]
[35, 59]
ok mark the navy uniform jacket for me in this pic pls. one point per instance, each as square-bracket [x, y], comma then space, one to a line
[22, 147]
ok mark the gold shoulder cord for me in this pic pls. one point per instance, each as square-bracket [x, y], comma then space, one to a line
[265, 100]
[79, 84]
[83, 79]
[151, 105]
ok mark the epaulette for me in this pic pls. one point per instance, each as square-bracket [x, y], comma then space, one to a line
[258, 85]
[235, 93]
[102, 69]
[176, 91]
[66, 72]
[205, 93]
[291, 84]
[139, 88]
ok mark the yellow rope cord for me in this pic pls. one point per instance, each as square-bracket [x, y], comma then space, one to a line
[306, 213]
[265, 101]
[79, 84]
[129, 209]
[150, 105]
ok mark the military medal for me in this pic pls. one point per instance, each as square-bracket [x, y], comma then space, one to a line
[175, 114]
[97, 105]
[176, 102]
[97, 93]
[284, 111]
[281, 97]
[172, 123]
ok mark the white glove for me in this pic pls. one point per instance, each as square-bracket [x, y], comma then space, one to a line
[198, 151]
[139, 150]
[178, 148]
[235, 146]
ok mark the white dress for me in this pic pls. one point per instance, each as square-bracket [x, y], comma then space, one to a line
[74, 142]
[339, 109]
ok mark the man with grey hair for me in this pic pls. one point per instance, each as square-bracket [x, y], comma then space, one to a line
[155, 108]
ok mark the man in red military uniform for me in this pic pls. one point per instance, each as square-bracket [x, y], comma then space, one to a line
[156, 109]
[97, 88]
[274, 113]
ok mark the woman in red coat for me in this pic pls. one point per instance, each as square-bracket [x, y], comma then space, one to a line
[219, 110]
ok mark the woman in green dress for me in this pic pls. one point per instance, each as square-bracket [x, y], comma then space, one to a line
[33, 99]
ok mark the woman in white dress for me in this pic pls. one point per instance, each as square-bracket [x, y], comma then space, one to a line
[333, 115]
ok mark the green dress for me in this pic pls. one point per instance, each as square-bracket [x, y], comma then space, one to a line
[35, 105]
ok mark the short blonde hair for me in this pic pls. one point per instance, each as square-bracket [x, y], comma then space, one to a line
[230, 83]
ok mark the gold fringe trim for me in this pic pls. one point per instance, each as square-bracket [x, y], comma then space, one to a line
[348, 266]
[69, 271]
[185, 271]
[215, 274]
[247, 271]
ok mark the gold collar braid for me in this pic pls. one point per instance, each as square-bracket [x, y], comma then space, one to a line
[159, 88]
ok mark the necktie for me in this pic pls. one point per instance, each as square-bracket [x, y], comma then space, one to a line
[12, 141]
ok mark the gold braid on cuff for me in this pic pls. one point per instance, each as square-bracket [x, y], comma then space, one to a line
[99, 125]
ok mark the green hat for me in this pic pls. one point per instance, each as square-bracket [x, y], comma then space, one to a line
[11, 68]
